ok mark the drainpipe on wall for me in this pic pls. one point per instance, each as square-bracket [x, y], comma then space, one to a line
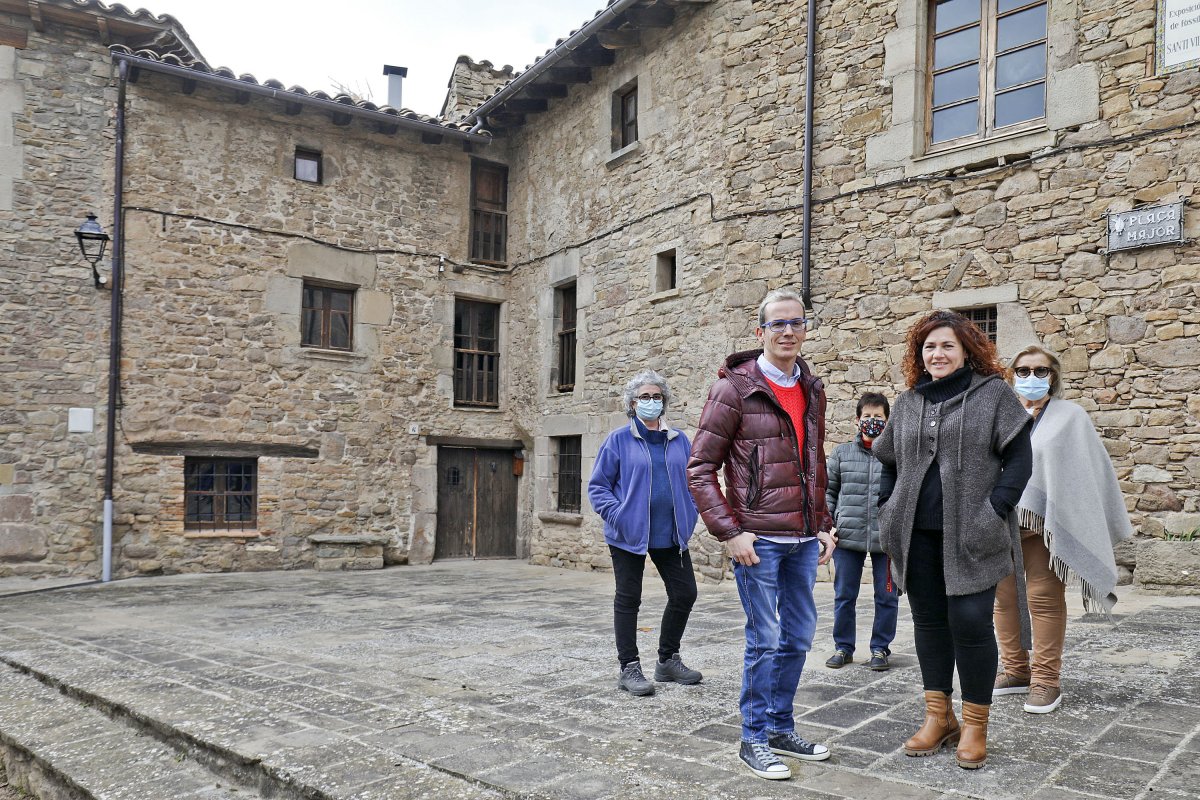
[114, 337]
[810, 58]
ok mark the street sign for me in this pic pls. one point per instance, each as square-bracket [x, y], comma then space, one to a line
[1145, 227]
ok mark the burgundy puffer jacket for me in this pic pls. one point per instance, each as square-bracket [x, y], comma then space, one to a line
[770, 489]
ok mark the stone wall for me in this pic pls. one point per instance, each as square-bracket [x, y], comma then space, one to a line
[889, 242]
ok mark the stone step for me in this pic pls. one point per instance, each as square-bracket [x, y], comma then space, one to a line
[57, 748]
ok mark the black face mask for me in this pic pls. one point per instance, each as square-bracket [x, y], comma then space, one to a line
[872, 427]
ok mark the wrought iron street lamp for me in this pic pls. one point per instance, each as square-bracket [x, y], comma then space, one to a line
[92, 241]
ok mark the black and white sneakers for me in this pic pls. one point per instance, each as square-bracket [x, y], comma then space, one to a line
[757, 756]
[791, 745]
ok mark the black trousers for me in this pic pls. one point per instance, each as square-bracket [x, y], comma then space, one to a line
[949, 630]
[676, 572]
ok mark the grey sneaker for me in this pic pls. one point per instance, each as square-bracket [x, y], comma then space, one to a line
[791, 745]
[762, 762]
[673, 669]
[633, 681]
[839, 659]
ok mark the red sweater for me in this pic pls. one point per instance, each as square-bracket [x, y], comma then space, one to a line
[794, 403]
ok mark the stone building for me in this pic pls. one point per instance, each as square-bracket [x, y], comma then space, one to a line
[355, 335]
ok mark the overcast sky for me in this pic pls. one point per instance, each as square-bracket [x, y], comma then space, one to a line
[347, 42]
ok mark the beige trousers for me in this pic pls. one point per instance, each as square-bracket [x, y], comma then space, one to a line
[1048, 608]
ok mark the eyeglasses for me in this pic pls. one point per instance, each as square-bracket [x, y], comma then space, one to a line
[649, 397]
[1040, 372]
[781, 325]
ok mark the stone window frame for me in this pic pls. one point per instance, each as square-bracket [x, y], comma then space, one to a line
[1072, 97]
[309, 155]
[219, 492]
[327, 314]
[622, 120]
[621, 81]
[568, 474]
[1014, 326]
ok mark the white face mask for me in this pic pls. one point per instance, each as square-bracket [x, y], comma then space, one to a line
[649, 410]
[1032, 387]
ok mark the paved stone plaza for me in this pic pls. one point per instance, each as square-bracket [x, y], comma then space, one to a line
[496, 679]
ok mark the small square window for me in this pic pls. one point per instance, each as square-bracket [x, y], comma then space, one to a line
[984, 318]
[327, 317]
[666, 275]
[569, 457]
[220, 493]
[308, 166]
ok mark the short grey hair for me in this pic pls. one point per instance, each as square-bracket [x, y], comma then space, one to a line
[774, 296]
[1055, 365]
[640, 380]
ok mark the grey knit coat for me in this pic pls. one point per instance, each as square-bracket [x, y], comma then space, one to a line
[966, 435]
[852, 496]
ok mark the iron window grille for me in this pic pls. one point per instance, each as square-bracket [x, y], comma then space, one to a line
[476, 353]
[327, 317]
[566, 337]
[987, 71]
[570, 473]
[985, 319]
[489, 212]
[220, 493]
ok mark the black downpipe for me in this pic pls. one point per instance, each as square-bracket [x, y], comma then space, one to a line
[810, 59]
[114, 339]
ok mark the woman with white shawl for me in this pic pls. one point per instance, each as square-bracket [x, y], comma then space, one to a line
[1071, 514]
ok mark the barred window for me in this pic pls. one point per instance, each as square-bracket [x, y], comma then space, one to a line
[327, 317]
[988, 68]
[220, 493]
[476, 353]
[565, 301]
[570, 472]
[984, 318]
[489, 212]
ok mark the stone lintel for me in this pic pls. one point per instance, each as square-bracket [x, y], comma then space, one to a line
[974, 298]
[224, 449]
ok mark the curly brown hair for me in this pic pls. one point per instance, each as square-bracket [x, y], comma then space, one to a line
[980, 352]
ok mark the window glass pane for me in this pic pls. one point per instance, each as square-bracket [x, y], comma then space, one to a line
[955, 85]
[339, 331]
[1021, 27]
[238, 509]
[339, 301]
[309, 301]
[1021, 66]
[204, 508]
[956, 48]
[1020, 105]
[954, 14]
[310, 327]
[487, 322]
[1008, 5]
[307, 168]
[950, 123]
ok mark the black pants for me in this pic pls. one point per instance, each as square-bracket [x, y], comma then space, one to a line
[680, 581]
[950, 630]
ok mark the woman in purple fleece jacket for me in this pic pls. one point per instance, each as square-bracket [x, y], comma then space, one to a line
[639, 488]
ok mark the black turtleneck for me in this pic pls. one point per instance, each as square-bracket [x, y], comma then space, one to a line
[1016, 460]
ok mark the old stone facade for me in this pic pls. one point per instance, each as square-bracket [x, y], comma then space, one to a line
[667, 242]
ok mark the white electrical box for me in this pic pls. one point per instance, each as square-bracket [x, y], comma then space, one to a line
[81, 420]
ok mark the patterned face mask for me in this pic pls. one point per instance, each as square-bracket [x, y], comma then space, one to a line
[872, 427]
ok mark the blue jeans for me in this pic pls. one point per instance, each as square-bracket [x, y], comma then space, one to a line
[781, 617]
[846, 580]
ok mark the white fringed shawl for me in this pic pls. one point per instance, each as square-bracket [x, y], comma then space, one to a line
[1073, 500]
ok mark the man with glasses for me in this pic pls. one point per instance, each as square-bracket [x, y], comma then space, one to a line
[764, 424]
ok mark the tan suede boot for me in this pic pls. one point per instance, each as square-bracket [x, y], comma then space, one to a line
[972, 747]
[939, 727]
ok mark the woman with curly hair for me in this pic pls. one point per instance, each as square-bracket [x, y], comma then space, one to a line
[956, 456]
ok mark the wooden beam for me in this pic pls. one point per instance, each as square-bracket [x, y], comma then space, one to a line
[506, 120]
[432, 138]
[241, 98]
[11, 36]
[102, 26]
[569, 74]
[341, 120]
[525, 105]
[188, 86]
[135, 72]
[595, 57]
[615, 40]
[651, 17]
[292, 109]
[390, 130]
[35, 14]
[545, 90]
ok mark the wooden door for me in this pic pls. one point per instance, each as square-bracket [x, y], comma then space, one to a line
[477, 504]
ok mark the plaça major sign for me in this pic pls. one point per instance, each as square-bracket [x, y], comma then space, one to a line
[1144, 227]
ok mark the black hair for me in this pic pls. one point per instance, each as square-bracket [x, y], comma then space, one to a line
[873, 399]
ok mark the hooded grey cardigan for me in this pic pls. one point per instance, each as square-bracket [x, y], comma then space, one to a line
[966, 434]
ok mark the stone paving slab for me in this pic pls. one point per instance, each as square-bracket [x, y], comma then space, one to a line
[497, 679]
